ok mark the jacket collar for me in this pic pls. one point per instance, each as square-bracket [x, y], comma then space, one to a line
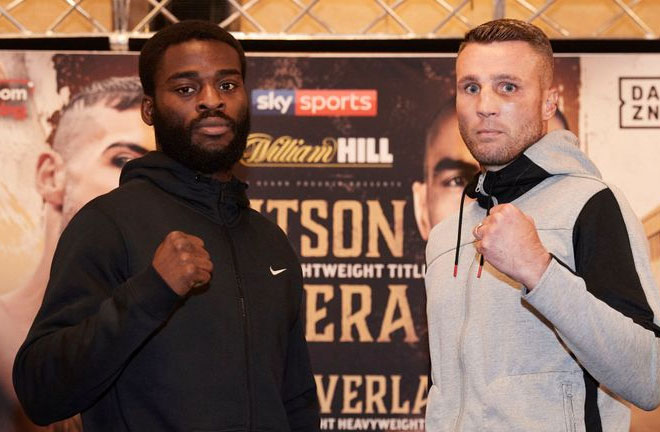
[220, 201]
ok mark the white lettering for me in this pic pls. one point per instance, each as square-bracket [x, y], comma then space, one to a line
[364, 150]
[13, 94]
[270, 101]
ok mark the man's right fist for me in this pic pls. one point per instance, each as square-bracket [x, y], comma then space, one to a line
[182, 262]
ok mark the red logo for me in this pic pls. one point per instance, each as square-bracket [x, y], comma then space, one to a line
[14, 95]
[337, 103]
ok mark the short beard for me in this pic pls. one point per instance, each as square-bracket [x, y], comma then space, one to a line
[497, 157]
[175, 140]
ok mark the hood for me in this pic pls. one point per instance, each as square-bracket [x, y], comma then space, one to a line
[557, 153]
[220, 201]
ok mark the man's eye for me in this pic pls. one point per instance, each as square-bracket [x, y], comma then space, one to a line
[471, 89]
[508, 87]
[456, 181]
[227, 86]
[121, 159]
[186, 90]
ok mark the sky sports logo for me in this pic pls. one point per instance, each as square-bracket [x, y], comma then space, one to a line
[315, 103]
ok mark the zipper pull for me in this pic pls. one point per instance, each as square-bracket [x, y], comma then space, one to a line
[480, 184]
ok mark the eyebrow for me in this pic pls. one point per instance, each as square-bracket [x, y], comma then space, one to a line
[467, 78]
[131, 146]
[506, 77]
[447, 163]
[499, 77]
[194, 74]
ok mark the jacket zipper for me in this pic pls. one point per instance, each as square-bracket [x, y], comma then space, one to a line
[246, 333]
[461, 353]
[569, 413]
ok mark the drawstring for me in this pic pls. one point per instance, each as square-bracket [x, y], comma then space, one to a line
[490, 205]
[472, 190]
[460, 224]
[509, 183]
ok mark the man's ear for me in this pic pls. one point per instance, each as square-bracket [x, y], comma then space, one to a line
[51, 178]
[147, 110]
[421, 209]
[550, 105]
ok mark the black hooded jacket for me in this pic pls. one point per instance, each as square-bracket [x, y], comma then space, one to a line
[114, 342]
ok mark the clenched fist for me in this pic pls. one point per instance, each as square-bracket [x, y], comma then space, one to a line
[182, 262]
[508, 240]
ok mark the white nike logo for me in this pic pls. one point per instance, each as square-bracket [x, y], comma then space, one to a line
[276, 272]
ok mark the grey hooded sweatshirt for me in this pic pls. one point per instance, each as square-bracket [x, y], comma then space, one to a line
[565, 355]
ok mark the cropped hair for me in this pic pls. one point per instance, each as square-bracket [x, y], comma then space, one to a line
[119, 93]
[510, 30]
[153, 50]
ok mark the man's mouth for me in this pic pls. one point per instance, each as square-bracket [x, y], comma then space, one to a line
[213, 126]
[488, 133]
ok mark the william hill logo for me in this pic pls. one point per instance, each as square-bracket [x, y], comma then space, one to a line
[286, 151]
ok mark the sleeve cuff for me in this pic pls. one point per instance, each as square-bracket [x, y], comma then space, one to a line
[555, 275]
[552, 269]
[152, 294]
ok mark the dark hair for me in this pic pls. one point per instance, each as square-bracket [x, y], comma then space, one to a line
[562, 119]
[153, 50]
[119, 93]
[508, 30]
[79, 71]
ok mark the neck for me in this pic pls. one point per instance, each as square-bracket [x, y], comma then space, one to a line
[499, 167]
[493, 167]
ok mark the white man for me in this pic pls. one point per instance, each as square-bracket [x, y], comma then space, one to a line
[543, 313]
[171, 305]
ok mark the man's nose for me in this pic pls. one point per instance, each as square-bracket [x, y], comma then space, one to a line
[210, 98]
[487, 104]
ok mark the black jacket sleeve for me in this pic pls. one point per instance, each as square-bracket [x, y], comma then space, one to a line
[94, 316]
[604, 259]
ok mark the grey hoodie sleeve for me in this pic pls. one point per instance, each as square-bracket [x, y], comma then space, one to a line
[601, 310]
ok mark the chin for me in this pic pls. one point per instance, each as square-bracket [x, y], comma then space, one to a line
[213, 143]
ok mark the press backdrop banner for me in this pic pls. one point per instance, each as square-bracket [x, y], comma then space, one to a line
[336, 145]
